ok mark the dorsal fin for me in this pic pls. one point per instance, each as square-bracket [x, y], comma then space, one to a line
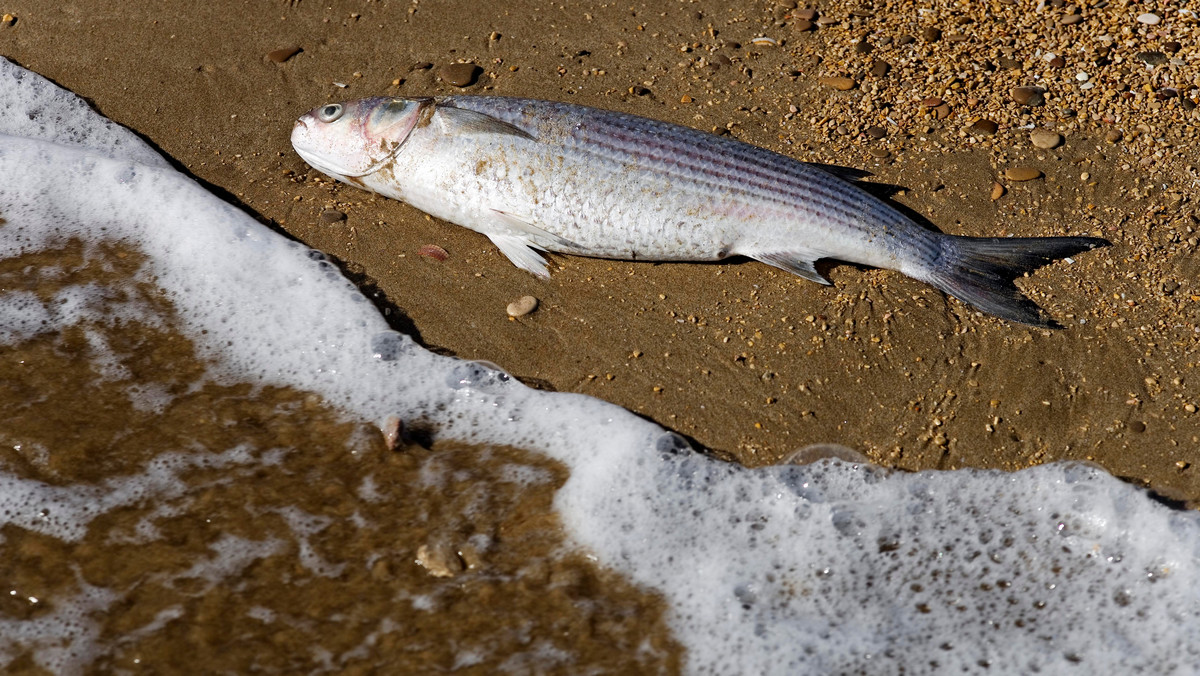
[463, 121]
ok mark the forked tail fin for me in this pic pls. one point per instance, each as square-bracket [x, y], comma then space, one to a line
[980, 271]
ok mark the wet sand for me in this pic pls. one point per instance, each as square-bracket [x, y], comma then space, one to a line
[748, 361]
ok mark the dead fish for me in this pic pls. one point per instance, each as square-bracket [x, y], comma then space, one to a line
[545, 176]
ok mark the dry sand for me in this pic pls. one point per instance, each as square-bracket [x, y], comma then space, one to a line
[748, 361]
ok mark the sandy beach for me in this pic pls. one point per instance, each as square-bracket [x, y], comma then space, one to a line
[993, 120]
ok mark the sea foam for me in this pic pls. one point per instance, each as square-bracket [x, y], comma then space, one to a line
[832, 567]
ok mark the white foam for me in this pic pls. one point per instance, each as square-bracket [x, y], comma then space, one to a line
[826, 568]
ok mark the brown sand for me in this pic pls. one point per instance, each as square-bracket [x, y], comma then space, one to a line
[749, 361]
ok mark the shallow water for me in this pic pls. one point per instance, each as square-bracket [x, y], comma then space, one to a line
[175, 521]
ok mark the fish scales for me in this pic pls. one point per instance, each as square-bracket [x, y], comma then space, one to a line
[711, 160]
[691, 159]
[546, 176]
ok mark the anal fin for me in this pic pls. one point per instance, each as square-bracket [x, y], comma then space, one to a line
[796, 262]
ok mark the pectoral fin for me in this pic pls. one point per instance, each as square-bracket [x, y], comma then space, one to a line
[795, 262]
[521, 253]
[461, 121]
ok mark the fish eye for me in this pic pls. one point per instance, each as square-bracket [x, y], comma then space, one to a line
[330, 112]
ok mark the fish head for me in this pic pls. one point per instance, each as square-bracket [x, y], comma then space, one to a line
[355, 138]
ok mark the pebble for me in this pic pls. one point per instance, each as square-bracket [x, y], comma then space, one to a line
[332, 216]
[1149, 19]
[805, 14]
[876, 132]
[838, 83]
[1045, 139]
[1071, 19]
[803, 25]
[862, 47]
[433, 251]
[1172, 46]
[522, 306]
[1113, 135]
[997, 191]
[985, 127]
[1152, 58]
[8, 20]
[1057, 62]
[880, 68]
[281, 55]
[1029, 96]
[1022, 174]
[460, 74]
[421, 65]
[932, 102]
[880, 153]
[931, 34]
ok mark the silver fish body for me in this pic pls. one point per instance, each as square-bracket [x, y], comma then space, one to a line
[541, 175]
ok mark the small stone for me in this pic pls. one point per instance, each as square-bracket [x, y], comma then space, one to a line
[1071, 19]
[931, 34]
[1022, 174]
[1113, 135]
[1044, 139]
[879, 153]
[1137, 426]
[942, 111]
[1149, 19]
[1172, 47]
[439, 560]
[332, 216]
[460, 74]
[8, 20]
[803, 25]
[281, 55]
[1029, 96]
[984, 127]
[839, 83]
[522, 306]
[862, 47]
[932, 102]
[997, 191]
[421, 65]
[905, 40]
[1152, 58]
[875, 132]
[1010, 63]
[880, 68]
[1057, 62]
[805, 14]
